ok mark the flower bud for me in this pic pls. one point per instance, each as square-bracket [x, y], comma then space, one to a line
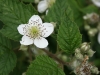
[91, 18]
[95, 70]
[92, 32]
[87, 27]
[23, 48]
[90, 52]
[85, 47]
[75, 64]
[79, 56]
[24, 73]
[64, 57]
[77, 50]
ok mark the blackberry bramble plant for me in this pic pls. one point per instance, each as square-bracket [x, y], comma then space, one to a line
[49, 37]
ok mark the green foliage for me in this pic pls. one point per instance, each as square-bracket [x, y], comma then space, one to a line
[5, 42]
[77, 12]
[28, 0]
[56, 12]
[7, 57]
[68, 36]
[13, 14]
[89, 9]
[43, 65]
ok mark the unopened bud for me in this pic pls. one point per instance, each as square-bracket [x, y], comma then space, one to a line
[90, 52]
[23, 48]
[92, 32]
[85, 47]
[64, 57]
[87, 27]
[75, 64]
[24, 73]
[91, 18]
[95, 70]
[79, 56]
[77, 50]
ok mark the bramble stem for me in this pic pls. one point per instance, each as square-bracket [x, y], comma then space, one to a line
[55, 57]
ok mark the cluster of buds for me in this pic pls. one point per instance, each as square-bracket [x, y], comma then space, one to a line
[80, 64]
[91, 19]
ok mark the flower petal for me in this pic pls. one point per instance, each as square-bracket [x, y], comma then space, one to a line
[96, 2]
[35, 18]
[41, 42]
[48, 28]
[42, 6]
[26, 40]
[20, 29]
[99, 38]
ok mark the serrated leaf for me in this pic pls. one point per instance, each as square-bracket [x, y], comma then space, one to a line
[5, 42]
[43, 65]
[13, 14]
[90, 9]
[68, 36]
[7, 61]
[77, 12]
[56, 12]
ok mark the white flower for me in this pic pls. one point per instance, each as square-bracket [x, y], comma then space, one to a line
[35, 32]
[44, 4]
[96, 2]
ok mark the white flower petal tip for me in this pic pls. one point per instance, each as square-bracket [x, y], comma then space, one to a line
[42, 6]
[26, 40]
[48, 29]
[35, 18]
[41, 42]
[99, 38]
[20, 29]
[96, 2]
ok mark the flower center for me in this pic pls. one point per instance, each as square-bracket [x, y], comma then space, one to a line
[34, 31]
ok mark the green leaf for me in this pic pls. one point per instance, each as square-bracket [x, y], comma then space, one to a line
[68, 36]
[28, 0]
[56, 12]
[7, 61]
[90, 9]
[77, 12]
[5, 42]
[13, 14]
[43, 65]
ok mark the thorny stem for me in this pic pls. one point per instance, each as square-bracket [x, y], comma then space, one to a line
[55, 57]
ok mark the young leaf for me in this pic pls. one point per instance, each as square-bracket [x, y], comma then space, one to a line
[7, 61]
[43, 65]
[13, 14]
[68, 36]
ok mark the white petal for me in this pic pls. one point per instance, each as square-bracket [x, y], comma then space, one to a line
[20, 29]
[26, 40]
[96, 2]
[47, 29]
[42, 6]
[99, 37]
[35, 18]
[41, 42]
